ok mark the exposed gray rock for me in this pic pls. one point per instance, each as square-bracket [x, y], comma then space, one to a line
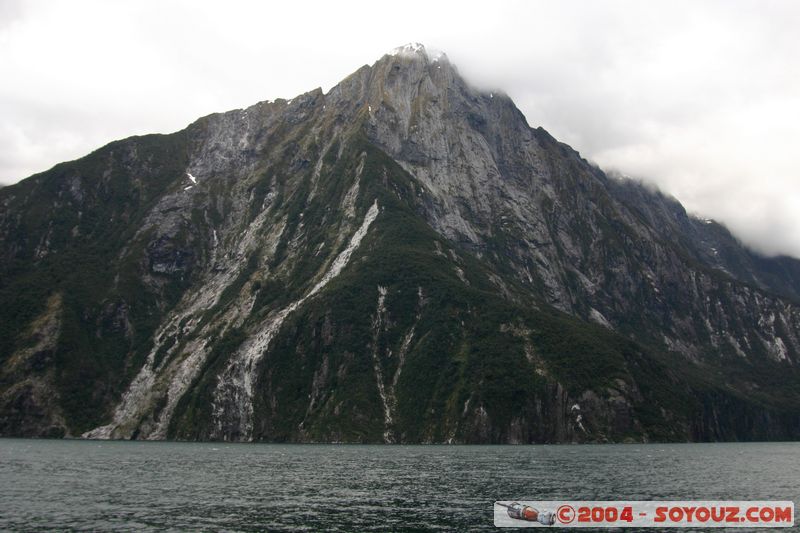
[213, 259]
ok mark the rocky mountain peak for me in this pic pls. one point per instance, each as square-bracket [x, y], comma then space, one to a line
[418, 50]
[405, 70]
[402, 259]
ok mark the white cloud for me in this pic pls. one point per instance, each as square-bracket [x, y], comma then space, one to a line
[700, 98]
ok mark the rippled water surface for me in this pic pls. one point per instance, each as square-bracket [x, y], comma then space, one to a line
[140, 486]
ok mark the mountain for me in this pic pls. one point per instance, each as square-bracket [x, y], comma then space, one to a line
[402, 259]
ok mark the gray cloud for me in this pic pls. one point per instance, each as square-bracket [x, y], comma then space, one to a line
[700, 98]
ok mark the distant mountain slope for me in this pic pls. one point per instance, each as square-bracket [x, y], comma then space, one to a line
[709, 242]
[402, 259]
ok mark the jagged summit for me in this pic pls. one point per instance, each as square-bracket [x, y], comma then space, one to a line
[418, 50]
[410, 48]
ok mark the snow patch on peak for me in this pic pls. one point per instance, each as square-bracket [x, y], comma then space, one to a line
[408, 49]
[436, 55]
[418, 49]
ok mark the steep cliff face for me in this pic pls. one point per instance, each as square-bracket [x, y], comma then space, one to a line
[580, 240]
[402, 259]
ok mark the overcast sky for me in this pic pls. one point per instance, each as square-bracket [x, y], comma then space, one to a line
[700, 98]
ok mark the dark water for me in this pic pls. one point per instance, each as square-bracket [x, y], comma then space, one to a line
[139, 486]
